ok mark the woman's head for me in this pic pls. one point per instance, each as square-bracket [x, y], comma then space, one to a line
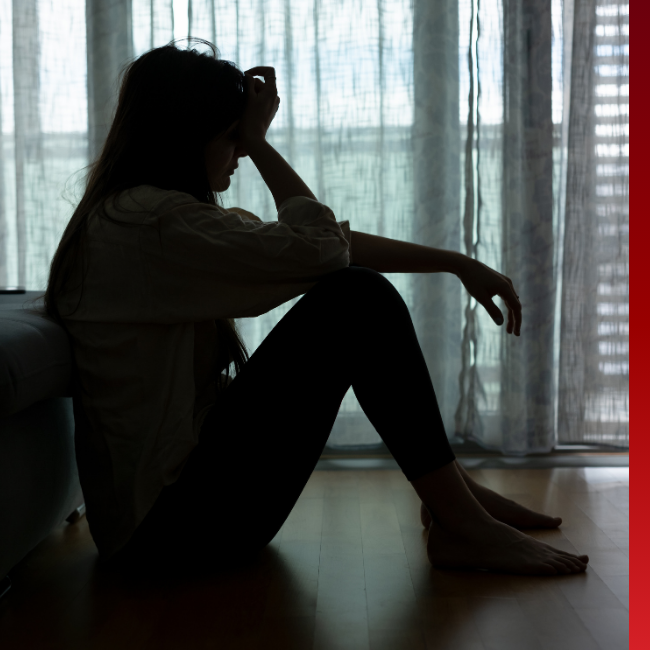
[222, 154]
[173, 103]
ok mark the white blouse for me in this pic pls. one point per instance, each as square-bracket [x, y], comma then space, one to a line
[148, 288]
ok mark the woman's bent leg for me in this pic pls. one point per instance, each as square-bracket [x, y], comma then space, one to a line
[351, 329]
[262, 440]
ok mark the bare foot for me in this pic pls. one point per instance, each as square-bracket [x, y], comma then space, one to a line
[503, 510]
[500, 548]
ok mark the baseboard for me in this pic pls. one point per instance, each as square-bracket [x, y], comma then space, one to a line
[484, 462]
[472, 455]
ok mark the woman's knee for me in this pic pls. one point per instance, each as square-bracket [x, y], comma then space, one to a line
[361, 291]
[356, 278]
[361, 284]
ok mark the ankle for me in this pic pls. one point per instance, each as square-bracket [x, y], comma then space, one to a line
[449, 499]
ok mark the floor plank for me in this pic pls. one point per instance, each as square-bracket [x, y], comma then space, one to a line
[348, 570]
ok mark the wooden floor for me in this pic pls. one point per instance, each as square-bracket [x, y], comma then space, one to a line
[347, 570]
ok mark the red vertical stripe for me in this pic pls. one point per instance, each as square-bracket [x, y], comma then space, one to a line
[639, 259]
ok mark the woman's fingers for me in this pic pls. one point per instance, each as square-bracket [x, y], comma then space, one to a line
[250, 85]
[255, 85]
[262, 102]
[514, 312]
[514, 309]
[483, 284]
[493, 310]
[263, 71]
[511, 320]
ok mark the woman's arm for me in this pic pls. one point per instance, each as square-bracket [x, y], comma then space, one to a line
[278, 175]
[261, 106]
[482, 283]
[393, 256]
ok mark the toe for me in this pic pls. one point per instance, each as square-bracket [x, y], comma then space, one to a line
[579, 560]
[549, 570]
[560, 567]
[559, 551]
[573, 565]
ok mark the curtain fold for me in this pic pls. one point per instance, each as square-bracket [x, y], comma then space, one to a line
[498, 128]
[580, 279]
[527, 391]
[28, 143]
[109, 38]
[436, 298]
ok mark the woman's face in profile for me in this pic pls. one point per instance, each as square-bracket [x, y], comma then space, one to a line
[221, 158]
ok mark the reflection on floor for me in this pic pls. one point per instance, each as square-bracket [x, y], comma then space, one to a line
[347, 570]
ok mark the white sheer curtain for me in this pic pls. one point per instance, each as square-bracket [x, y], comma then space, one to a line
[495, 127]
[43, 130]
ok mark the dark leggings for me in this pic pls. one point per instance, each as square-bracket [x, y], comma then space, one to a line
[260, 443]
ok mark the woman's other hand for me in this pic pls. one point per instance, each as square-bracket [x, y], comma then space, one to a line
[483, 283]
[261, 105]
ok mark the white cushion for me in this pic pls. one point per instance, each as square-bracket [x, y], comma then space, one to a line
[35, 354]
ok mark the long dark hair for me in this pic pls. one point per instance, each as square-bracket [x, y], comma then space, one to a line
[172, 102]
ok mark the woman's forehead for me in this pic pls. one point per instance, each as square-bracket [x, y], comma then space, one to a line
[226, 133]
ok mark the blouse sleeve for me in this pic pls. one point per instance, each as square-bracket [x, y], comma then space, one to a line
[345, 225]
[244, 213]
[192, 261]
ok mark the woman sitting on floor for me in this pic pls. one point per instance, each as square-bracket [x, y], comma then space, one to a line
[177, 460]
